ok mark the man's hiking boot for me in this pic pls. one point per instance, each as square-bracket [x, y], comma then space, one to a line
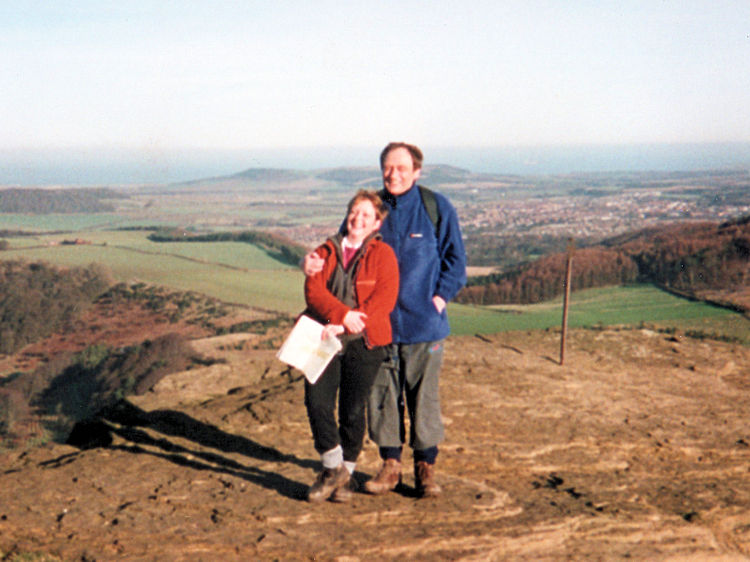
[345, 492]
[327, 481]
[387, 479]
[424, 480]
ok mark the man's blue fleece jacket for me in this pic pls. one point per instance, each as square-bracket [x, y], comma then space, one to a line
[428, 265]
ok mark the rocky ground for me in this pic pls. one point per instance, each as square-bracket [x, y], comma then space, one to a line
[638, 447]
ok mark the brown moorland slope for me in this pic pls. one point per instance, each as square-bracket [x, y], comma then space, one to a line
[637, 448]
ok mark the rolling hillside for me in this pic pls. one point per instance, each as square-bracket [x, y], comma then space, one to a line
[701, 260]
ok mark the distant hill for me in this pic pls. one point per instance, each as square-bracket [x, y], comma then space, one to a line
[274, 175]
[44, 201]
[443, 174]
[366, 177]
[693, 259]
[351, 176]
[256, 179]
[435, 175]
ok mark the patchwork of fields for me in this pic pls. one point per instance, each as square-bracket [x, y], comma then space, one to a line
[242, 273]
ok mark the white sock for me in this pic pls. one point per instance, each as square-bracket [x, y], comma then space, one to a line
[333, 458]
[350, 466]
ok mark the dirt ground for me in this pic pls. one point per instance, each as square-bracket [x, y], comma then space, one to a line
[637, 448]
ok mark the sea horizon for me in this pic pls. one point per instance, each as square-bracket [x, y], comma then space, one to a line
[123, 167]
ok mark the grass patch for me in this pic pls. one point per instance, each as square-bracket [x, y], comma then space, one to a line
[233, 272]
[52, 221]
[635, 305]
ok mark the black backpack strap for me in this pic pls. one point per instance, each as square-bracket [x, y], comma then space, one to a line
[430, 204]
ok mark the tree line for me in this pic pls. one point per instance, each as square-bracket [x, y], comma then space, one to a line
[37, 299]
[278, 246]
[683, 257]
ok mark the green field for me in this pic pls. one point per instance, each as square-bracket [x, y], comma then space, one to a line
[60, 222]
[242, 273]
[231, 271]
[611, 306]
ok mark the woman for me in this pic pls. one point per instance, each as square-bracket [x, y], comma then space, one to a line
[353, 297]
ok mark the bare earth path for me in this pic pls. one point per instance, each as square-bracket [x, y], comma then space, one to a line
[638, 448]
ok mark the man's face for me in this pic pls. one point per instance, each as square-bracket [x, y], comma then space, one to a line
[398, 171]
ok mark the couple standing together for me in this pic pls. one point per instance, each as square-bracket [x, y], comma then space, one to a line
[381, 285]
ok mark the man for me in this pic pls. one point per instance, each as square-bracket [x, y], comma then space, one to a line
[432, 269]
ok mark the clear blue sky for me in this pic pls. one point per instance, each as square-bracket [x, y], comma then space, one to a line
[249, 74]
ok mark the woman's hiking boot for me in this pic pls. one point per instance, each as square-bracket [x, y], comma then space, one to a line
[327, 481]
[424, 480]
[345, 492]
[387, 479]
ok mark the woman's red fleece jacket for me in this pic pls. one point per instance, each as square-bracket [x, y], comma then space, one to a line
[376, 290]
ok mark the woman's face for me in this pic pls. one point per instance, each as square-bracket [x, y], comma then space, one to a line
[361, 221]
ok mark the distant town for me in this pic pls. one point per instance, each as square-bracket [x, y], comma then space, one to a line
[596, 217]
[507, 218]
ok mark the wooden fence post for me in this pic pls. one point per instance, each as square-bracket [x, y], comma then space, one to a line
[566, 297]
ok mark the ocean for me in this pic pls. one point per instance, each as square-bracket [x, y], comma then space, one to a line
[93, 167]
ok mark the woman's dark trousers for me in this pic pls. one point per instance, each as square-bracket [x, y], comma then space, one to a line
[351, 375]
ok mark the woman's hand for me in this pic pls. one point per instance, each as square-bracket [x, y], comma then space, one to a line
[354, 321]
[331, 331]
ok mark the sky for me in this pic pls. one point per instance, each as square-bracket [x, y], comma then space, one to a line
[159, 75]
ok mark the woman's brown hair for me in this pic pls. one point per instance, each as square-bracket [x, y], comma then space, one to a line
[372, 196]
